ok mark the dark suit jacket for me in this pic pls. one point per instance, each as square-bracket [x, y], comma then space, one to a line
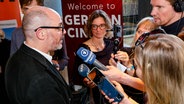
[31, 79]
[18, 38]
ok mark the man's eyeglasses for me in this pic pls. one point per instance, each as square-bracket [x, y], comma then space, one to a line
[60, 28]
[101, 26]
[144, 36]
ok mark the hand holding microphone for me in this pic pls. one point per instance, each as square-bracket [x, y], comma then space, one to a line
[84, 71]
[101, 82]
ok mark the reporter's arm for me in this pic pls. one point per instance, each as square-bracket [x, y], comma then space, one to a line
[131, 81]
[115, 74]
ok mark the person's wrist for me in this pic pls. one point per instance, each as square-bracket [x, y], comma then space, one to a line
[125, 101]
[130, 67]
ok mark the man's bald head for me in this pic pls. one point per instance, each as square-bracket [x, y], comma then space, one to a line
[43, 39]
[38, 16]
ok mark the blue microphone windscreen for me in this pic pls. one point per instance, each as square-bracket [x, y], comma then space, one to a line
[83, 70]
[86, 55]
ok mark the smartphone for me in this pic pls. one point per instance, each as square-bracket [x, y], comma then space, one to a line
[104, 84]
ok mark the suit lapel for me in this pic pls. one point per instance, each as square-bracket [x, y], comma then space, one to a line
[55, 72]
[51, 68]
[42, 60]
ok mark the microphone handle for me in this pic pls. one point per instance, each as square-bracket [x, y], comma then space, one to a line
[99, 65]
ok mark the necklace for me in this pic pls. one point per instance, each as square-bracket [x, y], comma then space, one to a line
[97, 47]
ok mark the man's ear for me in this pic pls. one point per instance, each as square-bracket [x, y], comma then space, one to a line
[40, 33]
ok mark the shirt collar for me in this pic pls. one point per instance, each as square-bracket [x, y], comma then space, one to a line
[47, 56]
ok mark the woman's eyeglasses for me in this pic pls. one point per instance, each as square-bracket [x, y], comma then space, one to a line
[60, 28]
[101, 26]
[144, 36]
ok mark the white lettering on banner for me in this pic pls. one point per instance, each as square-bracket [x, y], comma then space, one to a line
[111, 6]
[116, 20]
[79, 20]
[77, 33]
[73, 6]
[76, 19]
[82, 19]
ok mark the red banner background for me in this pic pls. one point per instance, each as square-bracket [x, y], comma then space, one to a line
[75, 15]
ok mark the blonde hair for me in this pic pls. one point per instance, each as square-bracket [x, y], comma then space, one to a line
[162, 69]
[148, 23]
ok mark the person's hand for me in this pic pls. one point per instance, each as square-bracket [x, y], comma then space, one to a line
[56, 64]
[113, 73]
[121, 90]
[89, 83]
[122, 57]
[112, 61]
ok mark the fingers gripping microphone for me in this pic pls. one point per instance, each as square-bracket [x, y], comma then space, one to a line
[89, 57]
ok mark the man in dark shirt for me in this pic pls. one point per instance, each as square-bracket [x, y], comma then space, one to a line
[168, 14]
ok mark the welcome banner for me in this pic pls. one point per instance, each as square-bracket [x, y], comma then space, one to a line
[75, 16]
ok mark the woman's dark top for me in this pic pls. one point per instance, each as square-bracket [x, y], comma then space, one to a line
[102, 56]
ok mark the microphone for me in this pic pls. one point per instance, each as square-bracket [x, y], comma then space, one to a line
[101, 81]
[83, 70]
[89, 57]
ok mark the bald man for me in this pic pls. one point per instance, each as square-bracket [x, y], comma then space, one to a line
[30, 76]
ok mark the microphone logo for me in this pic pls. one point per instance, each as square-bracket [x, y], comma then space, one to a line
[86, 55]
